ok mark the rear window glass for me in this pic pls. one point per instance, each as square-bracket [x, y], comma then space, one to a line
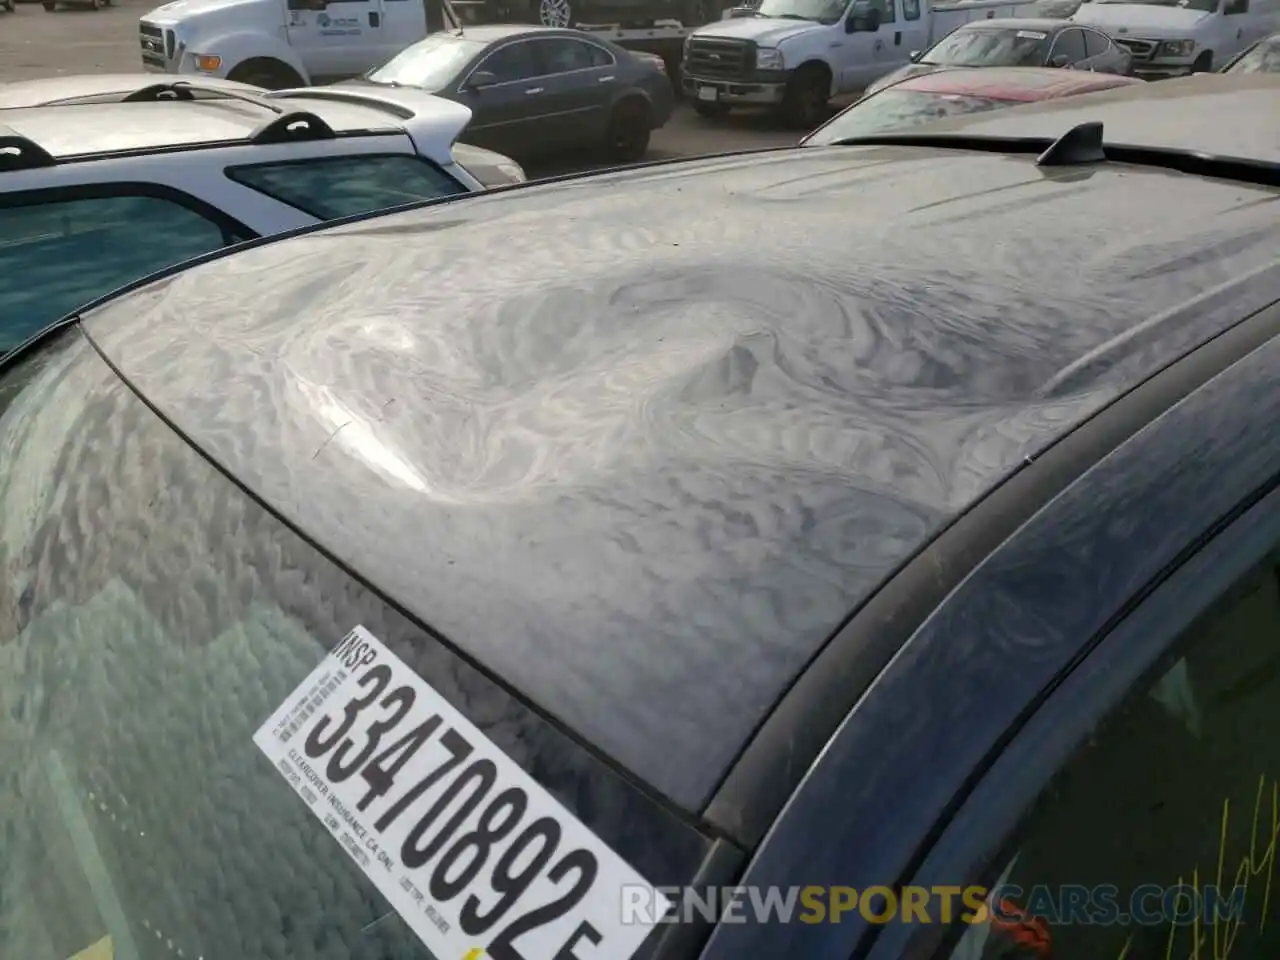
[183, 773]
[58, 254]
[897, 109]
[334, 187]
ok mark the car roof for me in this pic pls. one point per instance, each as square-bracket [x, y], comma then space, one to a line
[1013, 83]
[489, 32]
[90, 129]
[1041, 24]
[644, 464]
[1230, 115]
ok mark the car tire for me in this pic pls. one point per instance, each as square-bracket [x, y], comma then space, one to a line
[629, 129]
[711, 110]
[1204, 63]
[267, 73]
[804, 105]
[555, 13]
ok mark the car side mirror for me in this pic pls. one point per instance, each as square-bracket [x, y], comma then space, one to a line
[915, 55]
[1060, 60]
[481, 79]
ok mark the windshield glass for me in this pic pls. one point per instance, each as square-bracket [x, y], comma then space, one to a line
[819, 11]
[429, 64]
[1264, 58]
[990, 48]
[1205, 6]
[896, 109]
[174, 779]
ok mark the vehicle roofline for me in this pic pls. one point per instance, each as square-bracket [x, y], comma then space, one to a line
[808, 714]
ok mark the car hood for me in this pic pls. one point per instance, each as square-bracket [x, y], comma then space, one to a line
[766, 31]
[903, 73]
[1140, 17]
[183, 9]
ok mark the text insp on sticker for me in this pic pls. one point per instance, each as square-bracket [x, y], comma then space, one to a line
[475, 855]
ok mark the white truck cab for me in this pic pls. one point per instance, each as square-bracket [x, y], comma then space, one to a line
[1174, 37]
[797, 54]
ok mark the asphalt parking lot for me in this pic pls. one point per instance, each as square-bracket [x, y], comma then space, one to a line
[35, 43]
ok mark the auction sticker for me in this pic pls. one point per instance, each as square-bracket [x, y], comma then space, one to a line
[478, 859]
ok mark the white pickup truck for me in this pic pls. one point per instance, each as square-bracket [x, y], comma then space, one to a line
[798, 54]
[1169, 38]
[292, 43]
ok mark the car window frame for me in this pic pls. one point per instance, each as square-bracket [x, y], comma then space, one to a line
[1053, 47]
[227, 171]
[1101, 37]
[911, 10]
[1121, 665]
[540, 60]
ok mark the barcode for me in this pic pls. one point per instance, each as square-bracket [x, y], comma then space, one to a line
[310, 704]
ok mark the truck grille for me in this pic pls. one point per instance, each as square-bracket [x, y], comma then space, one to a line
[1141, 49]
[157, 45]
[716, 59]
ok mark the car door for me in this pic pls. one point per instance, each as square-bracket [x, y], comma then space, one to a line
[506, 115]
[857, 51]
[914, 28]
[580, 81]
[1068, 49]
[336, 39]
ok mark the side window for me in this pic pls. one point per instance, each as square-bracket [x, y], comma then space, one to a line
[58, 254]
[1095, 44]
[910, 9]
[1159, 837]
[515, 61]
[886, 8]
[332, 187]
[1069, 44]
[1235, 6]
[562, 55]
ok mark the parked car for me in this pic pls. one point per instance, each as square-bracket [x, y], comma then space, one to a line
[539, 90]
[114, 177]
[499, 578]
[795, 55]
[952, 91]
[1015, 42]
[1170, 38]
[1262, 57]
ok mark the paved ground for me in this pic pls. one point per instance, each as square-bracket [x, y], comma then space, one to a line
[34, 43]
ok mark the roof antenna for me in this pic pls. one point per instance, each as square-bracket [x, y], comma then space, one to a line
[1081, 144]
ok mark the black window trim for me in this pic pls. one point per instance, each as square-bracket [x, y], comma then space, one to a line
[985, 826]
[230, 171]
[539, 76]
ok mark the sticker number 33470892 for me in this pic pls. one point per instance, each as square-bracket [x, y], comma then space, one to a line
[478, 859]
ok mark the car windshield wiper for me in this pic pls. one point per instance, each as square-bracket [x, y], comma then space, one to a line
[1082, 144]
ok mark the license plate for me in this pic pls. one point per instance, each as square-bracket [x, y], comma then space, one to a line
[475, 856]
[707, 93]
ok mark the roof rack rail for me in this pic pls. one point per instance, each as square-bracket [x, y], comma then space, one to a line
[21, 153]
[185, 90]
[359, 97]
[293, 126]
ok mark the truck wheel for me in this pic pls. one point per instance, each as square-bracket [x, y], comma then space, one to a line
[1204, 63]
[555, 13]
[268, 73]
[805, 102]
[629, 128]
[710, 109]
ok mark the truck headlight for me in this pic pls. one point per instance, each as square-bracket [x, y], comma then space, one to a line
[1177, 48]
[769, 58]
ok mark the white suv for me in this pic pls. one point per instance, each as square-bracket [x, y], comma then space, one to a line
[106, 179]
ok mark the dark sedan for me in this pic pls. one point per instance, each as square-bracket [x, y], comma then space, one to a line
[535, 90]
[1262, 57]
[1017, 43]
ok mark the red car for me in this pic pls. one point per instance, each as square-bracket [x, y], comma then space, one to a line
[948, 93]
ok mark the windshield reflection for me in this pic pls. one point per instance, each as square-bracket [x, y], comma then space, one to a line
[429, 64]
[990, 48]
[819, 11]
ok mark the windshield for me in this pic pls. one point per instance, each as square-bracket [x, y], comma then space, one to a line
[430, 64]
[990, 48]
[1205, 6]
[1264, 58]
[174, 782]
[896, 109]
[819, 11]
